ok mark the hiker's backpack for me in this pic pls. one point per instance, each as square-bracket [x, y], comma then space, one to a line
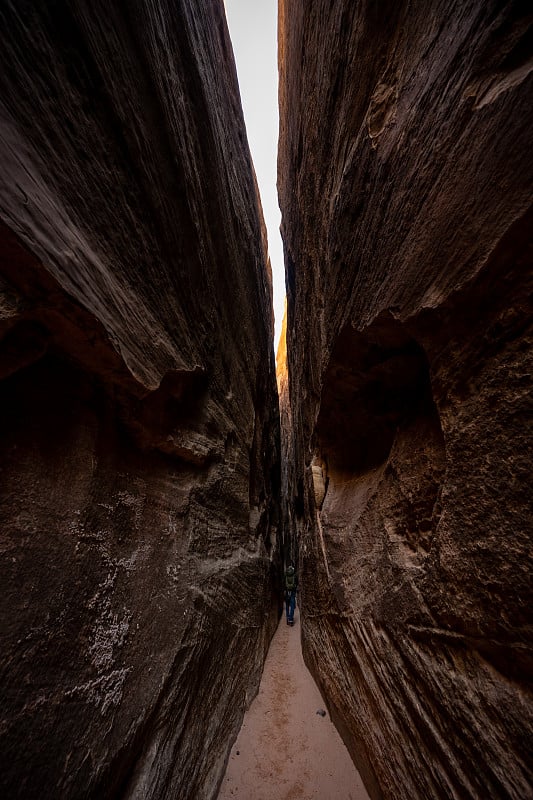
[290, 582]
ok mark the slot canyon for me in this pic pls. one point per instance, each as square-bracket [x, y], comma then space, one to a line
[154, 478]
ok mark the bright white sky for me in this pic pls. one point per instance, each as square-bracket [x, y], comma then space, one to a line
[253, 27]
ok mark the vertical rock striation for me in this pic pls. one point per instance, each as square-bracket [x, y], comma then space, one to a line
[140, 453]
[405, 179]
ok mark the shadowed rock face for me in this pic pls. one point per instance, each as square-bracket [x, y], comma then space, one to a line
[139, 426]
[405, 176]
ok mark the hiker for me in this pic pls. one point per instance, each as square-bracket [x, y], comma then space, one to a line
[291, 587]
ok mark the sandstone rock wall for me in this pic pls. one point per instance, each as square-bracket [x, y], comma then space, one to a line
[289, 544]
[140, 448]
[405, 179]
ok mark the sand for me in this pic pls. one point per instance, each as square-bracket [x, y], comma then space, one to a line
[285, 750]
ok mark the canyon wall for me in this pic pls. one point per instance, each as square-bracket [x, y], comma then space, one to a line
[405, 177]
[140, 423]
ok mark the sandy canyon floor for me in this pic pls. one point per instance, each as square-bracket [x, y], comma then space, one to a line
[285, 749]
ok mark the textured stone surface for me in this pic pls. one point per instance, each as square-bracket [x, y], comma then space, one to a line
[139, 427]
[405, 180]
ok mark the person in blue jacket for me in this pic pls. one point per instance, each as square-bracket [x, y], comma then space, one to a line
[291, 587]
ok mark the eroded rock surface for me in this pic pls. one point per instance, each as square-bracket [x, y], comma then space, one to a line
[405, 178]
[139, 426]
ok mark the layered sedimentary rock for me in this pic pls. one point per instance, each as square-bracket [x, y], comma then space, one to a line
[405, 179]
[289, 543]
[140, 456]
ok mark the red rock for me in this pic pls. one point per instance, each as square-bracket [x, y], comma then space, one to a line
[140, 453]
[405, 179]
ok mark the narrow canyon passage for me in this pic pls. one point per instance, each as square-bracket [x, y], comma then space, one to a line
[157, 475]
[286, 749]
